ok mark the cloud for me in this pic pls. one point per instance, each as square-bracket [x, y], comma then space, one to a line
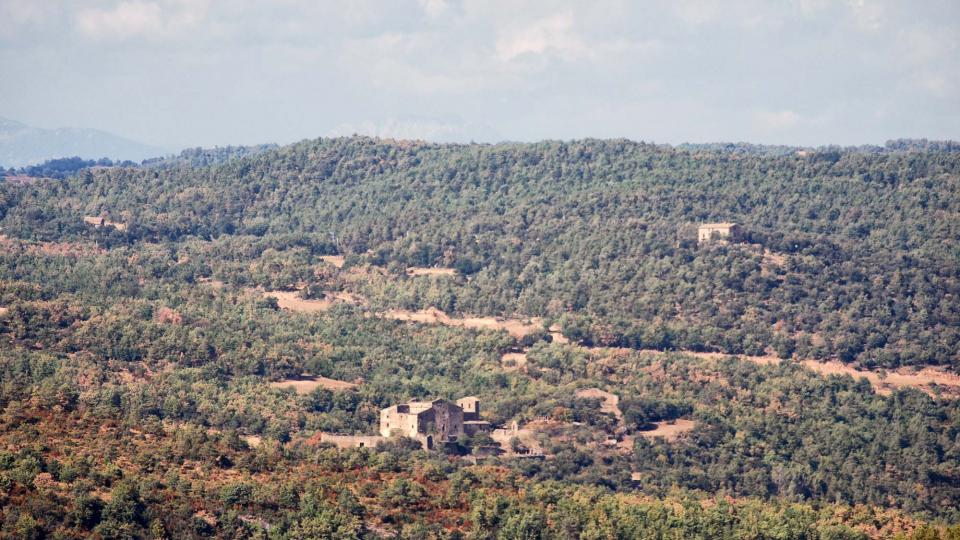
[553, 34]
[18, 12]
[558, 36]
[868, 15]
[699, 12]
[141, 19]
[777, 120]
[21, 17]
[434, 9]
[799, 70]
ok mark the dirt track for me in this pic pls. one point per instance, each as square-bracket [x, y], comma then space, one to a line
[883, 384]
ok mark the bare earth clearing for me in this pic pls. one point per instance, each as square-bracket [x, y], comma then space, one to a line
[610, 403]
[514, 360]
[557, 335]
[422, 271]
[292, 301]
[514, 327]
[670, 430]
[307, 384]
[335, 260]
[254, 441]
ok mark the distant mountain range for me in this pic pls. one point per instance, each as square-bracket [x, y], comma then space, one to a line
[22, 145]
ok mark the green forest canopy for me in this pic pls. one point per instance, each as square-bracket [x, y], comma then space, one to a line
[849, 254]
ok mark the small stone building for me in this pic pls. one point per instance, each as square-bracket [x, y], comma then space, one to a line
[472, 424]
[708, 232]
[470, 406]
[351, 441]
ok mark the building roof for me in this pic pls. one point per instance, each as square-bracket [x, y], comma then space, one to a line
[414, 406]
[717, 225]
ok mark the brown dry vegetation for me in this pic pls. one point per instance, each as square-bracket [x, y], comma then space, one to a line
[62, 249]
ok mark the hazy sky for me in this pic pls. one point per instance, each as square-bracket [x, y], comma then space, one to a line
[178, 73]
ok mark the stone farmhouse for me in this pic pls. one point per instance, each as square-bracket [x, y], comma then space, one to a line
[708, 232]
[431, 422]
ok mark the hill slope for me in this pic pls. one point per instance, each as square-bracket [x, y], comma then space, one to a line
[22, 145]
[178, 343]
[847, 255]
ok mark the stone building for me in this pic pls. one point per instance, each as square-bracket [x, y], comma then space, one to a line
[351, 441]
[472, 424]
[436, 421]
[718, 231]
[427, 421]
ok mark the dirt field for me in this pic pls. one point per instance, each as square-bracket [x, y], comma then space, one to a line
[292, 301]
[669, 431]
[305, 385]
[610, 403]
[335, 260]
[514, 327]
[422, 271]
[512, 361]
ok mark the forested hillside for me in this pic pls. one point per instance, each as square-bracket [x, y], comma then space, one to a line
[155, 323]
[850, 255]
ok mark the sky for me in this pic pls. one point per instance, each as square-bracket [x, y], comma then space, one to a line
[181, 73]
